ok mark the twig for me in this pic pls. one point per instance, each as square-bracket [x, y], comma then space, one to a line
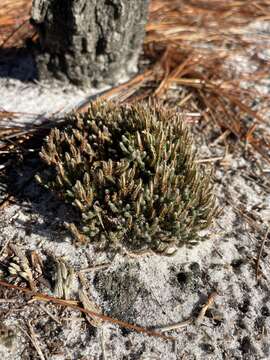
[88, 303]
[73, 304]
[95, 267]
[8, 301]
[54, 318]
[220, 138]
[260, 252]
[34, 341]
[103, 347]
[192, 320]
[205, 307]
[5, 245]
[72, 319]
[175, 326]
[32, 337]
[213, 159]
[246, 216]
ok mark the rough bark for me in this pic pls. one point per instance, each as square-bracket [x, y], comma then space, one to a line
[89, 42]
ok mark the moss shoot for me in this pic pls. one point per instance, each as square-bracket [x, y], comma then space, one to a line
[131, 172]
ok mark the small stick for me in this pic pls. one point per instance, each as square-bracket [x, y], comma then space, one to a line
[205, 307]
[260, 252]
[32, 337]
[95, 267]
[72, 318]
[213, 159]
[103, 347]
[35, 341]
[175, 326]
[193, 114]
[50, 314]
[221, 137]
[5, 245]
[191, 320]
[8, 301]
[73, 304]
[136, 254]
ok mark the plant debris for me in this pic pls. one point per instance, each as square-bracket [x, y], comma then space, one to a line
[73, 304]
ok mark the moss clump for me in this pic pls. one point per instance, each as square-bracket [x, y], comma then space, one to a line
[131, 173]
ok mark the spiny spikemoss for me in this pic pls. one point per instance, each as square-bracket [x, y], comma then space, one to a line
[130, 171]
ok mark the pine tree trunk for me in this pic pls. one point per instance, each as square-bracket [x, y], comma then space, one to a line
[89, 42]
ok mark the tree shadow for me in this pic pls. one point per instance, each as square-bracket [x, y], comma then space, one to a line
[17, 63]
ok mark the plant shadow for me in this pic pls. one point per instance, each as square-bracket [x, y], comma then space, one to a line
[43, 212]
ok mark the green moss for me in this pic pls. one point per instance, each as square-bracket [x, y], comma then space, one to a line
[131, 172]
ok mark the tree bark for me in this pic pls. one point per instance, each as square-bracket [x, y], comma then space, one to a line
[89, 42]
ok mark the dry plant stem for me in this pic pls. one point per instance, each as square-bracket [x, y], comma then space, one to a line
[245, 216]
[103, 345]
[34, 341]
[8, 301]
[176, 326]
[209, 303]
[54, 318]
[195, 321]
[72, 304]
[213, 159]
[260, 253]
[87, 302]
[6, 201]
[94, 268]
[5, 245]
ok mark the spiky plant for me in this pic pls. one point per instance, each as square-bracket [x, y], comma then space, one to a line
[130, 170]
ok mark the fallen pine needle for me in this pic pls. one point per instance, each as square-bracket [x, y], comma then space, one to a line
[260, 252]
[67, 303]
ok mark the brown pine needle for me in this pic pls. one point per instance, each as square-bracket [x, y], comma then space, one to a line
[176, 35]
[73, 304]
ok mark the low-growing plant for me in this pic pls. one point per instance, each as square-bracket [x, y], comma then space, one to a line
[131, 172]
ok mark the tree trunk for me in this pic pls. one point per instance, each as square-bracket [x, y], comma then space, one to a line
[89, 42]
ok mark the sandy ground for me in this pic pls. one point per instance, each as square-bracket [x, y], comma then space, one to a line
[149, 290]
